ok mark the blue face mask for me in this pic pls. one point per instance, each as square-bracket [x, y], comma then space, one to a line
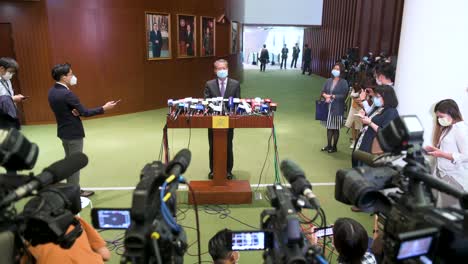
[222, 74]
[335, 73]
[377, 102]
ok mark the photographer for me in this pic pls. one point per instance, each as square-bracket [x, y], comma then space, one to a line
[450, 149]
[351, 241]
[218, 251]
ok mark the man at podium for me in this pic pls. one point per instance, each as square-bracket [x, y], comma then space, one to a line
[225, 87]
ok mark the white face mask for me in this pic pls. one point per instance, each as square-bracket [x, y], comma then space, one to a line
[444, 121]
[73, 80]
[379, 82]
[7, 76]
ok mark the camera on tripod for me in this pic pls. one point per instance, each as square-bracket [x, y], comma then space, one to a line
[414, 227]
[48, 216]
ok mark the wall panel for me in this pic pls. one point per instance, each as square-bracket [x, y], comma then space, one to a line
[104, 40]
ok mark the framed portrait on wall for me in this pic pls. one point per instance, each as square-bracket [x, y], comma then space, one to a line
[208, 34]
[158, 35]
[186, 36]
[234, 37]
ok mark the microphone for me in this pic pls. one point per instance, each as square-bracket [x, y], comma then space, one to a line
[55, 173]
[296, 177]
[179, 164]
[231, 104]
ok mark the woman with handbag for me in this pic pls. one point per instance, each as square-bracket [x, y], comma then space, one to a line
[386, 102]
[451, 149]
[334, 91]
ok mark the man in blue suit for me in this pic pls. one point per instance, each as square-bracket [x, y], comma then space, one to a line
[67, 109]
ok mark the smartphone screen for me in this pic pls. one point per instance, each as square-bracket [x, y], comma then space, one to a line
[110, 218]
[248, 240]
[324, 231]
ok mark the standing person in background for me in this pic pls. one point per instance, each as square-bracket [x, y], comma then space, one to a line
[156, 41]
[67, 109]
[182, 37]
[450, 149]
[353, 122]
[284, 56]
[264, 57]
[189, 41]
[334, 91]
[306, 58]
[295, 55]
[224, 87]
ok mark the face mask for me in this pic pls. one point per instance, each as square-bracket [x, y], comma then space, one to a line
[444, 121]
[378, 81]
[335, 73]
[377, 101]
[7, 76]
[73, 80]
[222, 74]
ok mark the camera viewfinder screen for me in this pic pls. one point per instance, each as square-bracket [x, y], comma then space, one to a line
[413, 124]
[414, 248]
[114, 219]
[248, 241]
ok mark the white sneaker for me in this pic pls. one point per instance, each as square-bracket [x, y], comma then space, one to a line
[352, 145]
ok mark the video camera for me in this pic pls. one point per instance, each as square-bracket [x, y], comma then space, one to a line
[152, 234]
[47, 217]
[414, 227]
[281, 237]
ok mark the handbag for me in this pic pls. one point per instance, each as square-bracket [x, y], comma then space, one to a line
[321, 110]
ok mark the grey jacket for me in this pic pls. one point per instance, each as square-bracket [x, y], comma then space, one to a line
[341, 91]
[212, 89]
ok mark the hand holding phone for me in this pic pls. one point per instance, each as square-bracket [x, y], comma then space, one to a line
[323, 231]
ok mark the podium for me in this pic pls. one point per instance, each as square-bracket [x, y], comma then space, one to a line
[220, 190]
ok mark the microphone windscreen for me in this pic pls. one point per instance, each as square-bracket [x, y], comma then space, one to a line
[64, 168]
[291, 170]
[182, 158]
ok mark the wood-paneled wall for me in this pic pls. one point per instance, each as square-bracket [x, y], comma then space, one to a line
[373, 25]
[104, 40]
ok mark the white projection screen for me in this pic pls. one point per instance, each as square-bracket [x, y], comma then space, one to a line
[281, 12]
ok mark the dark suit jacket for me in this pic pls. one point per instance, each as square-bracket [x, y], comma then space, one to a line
[156, 36]
[307, 55]
[212, 89]
[62, 101]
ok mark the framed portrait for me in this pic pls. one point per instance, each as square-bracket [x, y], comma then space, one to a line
[186, 36]
[208, 34]
[158, 36]
[234, 37]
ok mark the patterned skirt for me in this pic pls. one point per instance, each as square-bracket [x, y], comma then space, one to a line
[333, 121]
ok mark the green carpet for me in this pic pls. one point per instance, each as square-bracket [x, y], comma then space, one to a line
[118, 147]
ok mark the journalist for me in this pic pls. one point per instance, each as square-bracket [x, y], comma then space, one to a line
[450, 149]
[334, 91]
[8, 68]
[385, 102]
[217, 247]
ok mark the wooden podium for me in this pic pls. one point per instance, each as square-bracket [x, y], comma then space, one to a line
[220, 190]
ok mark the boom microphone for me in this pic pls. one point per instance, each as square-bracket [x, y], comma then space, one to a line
[296, 177]
[55, 173]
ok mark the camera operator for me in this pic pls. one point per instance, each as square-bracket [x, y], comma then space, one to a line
[90, 247]
[450, 149]
[351, 241]
[218, 250]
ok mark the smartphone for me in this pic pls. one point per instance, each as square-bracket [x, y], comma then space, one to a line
[324, 231]
[249, 240]
[110, 218]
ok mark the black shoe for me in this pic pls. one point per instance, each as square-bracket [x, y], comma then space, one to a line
[331, 150]
[210, 175]
[86, 193]
[326, 148]
[230, 176]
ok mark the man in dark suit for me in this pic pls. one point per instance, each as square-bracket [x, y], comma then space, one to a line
[264, 57]
[306, 58]
[224, 87]
[67, 109]
[156, 41]
[295, 55]
[189, 41]
[284, 56]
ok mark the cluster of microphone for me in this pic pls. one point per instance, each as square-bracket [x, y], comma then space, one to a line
[220, 106]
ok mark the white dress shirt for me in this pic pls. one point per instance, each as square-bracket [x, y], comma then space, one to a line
[5, 87]
[456, 143]
[220, 85]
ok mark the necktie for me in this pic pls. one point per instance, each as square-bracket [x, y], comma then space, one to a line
[222, 88]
